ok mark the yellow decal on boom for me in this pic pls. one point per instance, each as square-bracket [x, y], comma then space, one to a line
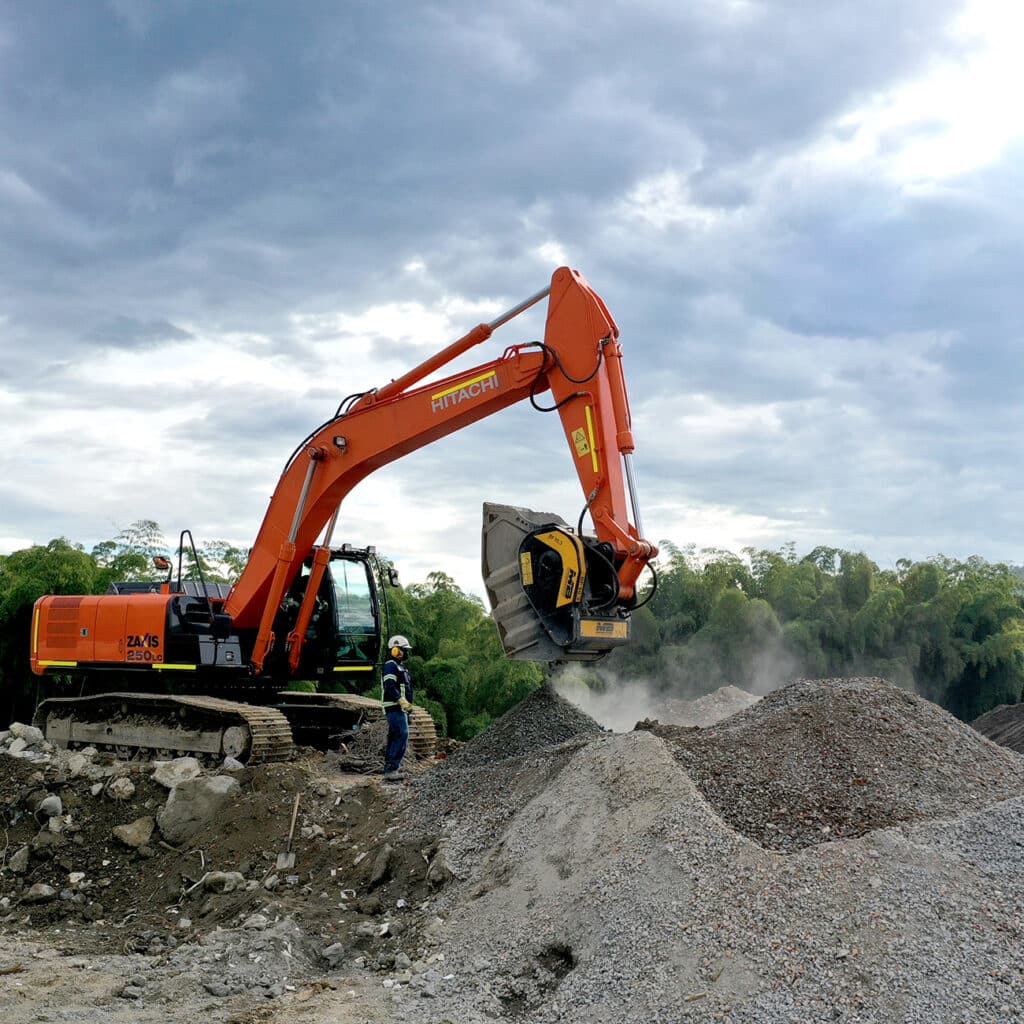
[526, 568]
[465, 390]
[579, 440]
[590, 431]
[574, 568]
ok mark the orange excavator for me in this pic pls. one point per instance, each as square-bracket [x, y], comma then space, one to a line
[189, 666]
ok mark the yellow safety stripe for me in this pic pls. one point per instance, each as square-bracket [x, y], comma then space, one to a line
[462, 384]
[178, 668]
[35, 631]
[353, 668]
[59, 664]
[590, 431]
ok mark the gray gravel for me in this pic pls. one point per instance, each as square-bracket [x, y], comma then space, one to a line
[543, 719]
[612, 891]
[829, 758]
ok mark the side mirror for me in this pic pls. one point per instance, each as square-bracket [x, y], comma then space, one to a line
[163, 564]
[393, 576]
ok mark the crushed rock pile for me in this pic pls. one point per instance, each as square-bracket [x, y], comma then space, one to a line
[543, 719]
[615, 893]
[519, 754]
[709, 709]
[822, 759]
[554, 872]
[1003, 725]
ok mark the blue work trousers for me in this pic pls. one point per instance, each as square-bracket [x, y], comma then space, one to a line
[398, 739]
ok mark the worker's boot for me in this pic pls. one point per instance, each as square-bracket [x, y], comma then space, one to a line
[393, 775]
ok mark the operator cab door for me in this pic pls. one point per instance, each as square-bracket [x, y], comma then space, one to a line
[356, 615]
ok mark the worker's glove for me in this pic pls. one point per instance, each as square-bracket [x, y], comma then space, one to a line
[404, 705]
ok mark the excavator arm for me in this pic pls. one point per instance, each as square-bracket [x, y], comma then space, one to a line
[578, 367]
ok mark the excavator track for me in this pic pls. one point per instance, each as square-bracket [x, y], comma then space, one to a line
[158, 725]
[345, 712]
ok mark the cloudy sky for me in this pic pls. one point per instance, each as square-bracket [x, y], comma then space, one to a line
[219, 219]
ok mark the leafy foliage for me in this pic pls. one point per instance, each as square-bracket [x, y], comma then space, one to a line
[954, 630]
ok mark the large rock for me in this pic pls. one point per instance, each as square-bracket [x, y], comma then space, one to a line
[192, 804]
[135, 834]
[174, 773]
[29, 733]
[39, 893]
[19, 861]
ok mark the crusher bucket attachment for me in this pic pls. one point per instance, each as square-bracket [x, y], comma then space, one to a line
[553, 594]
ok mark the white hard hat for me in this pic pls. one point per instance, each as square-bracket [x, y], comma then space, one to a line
[400, 641]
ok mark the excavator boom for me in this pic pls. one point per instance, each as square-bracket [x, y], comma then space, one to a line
[579, 363]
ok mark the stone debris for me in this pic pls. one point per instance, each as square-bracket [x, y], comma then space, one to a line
[136, 833]
[173, 773]
[839, 850]
[193, 803]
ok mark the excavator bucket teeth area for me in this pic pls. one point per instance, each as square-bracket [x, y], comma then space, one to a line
[535, 572]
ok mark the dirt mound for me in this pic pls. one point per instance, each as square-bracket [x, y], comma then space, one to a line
[73, 872]
[544, 719]
[830, 758]
[1003, 725]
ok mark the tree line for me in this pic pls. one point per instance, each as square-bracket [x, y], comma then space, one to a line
[951, 630]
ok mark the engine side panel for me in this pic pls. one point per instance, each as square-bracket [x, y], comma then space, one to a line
[110, 629]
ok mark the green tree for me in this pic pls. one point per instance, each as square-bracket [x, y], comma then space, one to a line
[59, 567]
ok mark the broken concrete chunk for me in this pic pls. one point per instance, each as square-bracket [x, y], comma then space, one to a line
[334, 954]
[439, 871]
[224, 881]
[29, 733]
[192, 804]
[121, 788]
[173, 773]
[50, 806]
[136, 833]
[381, 865]
[19, 861]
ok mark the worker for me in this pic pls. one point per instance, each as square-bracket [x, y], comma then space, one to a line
[396, 697]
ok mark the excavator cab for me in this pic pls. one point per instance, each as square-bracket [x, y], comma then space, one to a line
[344, 634]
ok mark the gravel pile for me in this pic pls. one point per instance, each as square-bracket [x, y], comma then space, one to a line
[829, 758]
[544, 719]
[616, 895]
[709, 709]
[471, 796]
[1003, 725]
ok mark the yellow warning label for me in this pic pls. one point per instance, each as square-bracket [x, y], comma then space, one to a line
[526, 569]
[579, 439]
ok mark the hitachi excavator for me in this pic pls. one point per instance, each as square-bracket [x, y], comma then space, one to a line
[187, 666]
